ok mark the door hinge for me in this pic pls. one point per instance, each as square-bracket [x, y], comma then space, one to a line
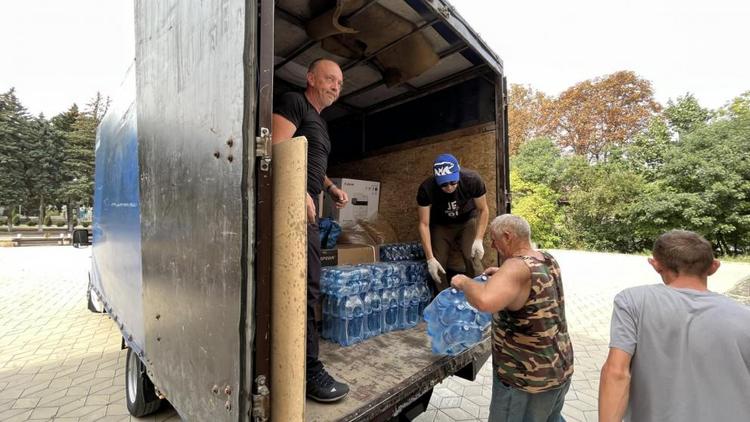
[261, 401]
[263, 147]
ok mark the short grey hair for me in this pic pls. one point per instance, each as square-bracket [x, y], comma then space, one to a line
[512, 223]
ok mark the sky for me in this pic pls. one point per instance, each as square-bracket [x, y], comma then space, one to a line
[56, 53]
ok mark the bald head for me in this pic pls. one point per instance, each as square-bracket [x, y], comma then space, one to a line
[324, 83]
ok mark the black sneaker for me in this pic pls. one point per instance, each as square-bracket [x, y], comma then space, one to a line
[323, 388]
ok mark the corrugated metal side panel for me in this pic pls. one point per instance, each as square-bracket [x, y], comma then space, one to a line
[116, 265]
[191, 99]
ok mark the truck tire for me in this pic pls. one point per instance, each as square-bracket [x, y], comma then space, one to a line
[140, 393]
[95, 304]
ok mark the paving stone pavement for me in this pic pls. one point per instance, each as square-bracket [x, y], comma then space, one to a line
[58, 361]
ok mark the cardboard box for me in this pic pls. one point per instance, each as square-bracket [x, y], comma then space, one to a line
[364, 198]
[348, 255]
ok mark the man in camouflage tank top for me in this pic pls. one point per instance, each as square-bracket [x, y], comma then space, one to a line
[531, 350]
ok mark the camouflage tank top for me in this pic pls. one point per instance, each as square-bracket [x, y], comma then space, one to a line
[531, 349]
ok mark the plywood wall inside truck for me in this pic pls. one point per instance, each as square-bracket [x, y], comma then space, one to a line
[401, 171]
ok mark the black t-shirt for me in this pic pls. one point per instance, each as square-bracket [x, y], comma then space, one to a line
[456, 207]
[294, 107]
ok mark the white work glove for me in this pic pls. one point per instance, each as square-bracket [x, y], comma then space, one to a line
[434, 268]
[477, 249]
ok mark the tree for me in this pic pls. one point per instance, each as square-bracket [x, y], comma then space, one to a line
[539, 161]
[595, 115]
[739, 106]
[601, 208]
[78, 167]
[64, 121]
[43, 160]
[646, 154]
[685, 114]
[538, 204]
[14, 134]
[709, 174]
[529, 114]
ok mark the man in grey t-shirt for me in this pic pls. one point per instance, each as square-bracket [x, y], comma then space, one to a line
[678, 352]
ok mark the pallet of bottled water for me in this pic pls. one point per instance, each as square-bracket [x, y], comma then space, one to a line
[401, 252]
[366, 300]
[453, 324]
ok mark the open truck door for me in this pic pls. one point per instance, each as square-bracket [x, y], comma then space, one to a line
[196, 87]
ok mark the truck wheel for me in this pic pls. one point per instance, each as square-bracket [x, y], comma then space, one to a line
[139, 390]
[95, 304]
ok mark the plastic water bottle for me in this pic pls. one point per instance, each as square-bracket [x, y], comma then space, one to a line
[390, 310]
[453, 324]
[352, 327]
[483, 320]
[425, 296]
[461, 334]
[413, 314]
[373, 314]
[403, 304]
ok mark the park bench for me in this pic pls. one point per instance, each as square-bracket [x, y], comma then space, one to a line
[61, 239]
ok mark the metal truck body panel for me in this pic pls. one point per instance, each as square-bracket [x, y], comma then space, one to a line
[116, 260]
[190, 85]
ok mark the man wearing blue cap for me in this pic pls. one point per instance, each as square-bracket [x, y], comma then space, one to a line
[452, 208]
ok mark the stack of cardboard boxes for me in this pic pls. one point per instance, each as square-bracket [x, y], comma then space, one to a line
[364, 198]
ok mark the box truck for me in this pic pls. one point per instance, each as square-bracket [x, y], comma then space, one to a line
[198, 236]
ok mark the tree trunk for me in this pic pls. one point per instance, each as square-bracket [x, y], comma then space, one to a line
[725, 247]
[68, 217]
[41, 213]
[722, 245]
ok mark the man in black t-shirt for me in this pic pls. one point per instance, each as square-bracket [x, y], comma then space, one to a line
[452, 207]
[298, 114]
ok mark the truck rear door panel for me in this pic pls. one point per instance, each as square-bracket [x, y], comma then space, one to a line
[191, 99]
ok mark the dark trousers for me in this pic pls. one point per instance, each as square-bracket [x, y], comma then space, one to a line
[314, 365]
[444, 236]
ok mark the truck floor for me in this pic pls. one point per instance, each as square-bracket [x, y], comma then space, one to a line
[384, 369]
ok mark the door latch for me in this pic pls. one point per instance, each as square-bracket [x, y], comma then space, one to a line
[263, 147]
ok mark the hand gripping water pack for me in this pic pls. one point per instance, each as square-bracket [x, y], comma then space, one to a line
[453, 324]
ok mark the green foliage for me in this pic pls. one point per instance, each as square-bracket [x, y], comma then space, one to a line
[14, 135]
[60, 224]
[647, 153]
[538, 161]
[31, 223]
[85, 224]
[685, 115]
[537, 203]
[710, 170]
[16, 219]
[600, 210]
[47, 220]
[78, 167]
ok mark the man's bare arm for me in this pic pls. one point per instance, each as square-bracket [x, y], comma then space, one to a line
[281, 129]
[614, 386]
[507, 287]
[424, 230]
[484, 215]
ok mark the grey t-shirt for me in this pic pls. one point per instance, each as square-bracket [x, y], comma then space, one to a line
[691, 354]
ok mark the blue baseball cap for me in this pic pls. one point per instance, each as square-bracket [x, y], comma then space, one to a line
[446, 169]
